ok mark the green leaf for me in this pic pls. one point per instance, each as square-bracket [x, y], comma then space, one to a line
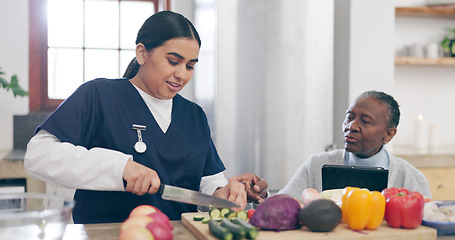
[14, 81]
[4, 83]
[14, 86]
[445, 43]
[17, 90]
[20, 92]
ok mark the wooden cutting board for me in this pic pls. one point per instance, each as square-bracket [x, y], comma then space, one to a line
[201, 231]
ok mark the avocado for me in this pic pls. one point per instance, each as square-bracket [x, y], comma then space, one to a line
[321, 215]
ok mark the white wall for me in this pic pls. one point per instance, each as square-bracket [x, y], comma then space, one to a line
[274, 89]
[13, 60]
[364, 55]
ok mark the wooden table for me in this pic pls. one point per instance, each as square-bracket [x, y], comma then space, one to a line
[110, 231]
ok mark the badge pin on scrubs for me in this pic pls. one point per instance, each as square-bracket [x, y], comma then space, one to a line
[140, 146]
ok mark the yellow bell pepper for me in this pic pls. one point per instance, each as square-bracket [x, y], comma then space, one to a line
[362, 209]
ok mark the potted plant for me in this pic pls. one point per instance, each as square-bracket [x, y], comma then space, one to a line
[13, 84]
[448, 43]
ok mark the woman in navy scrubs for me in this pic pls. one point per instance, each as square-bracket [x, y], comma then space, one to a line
[116, 140]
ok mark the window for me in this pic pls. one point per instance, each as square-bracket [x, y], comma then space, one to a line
[74, 41]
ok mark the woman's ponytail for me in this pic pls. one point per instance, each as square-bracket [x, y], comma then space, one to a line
[132, 69]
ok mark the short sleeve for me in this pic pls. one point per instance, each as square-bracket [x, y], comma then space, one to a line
[213, 163]
[74, 120]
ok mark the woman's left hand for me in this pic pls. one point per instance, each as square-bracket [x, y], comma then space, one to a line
[234, 191]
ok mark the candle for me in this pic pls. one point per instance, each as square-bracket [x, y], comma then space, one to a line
[421, 135]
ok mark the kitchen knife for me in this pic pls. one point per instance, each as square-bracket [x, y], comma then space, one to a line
[193, 197]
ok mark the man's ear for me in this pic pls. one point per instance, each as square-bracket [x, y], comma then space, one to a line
[141, 53]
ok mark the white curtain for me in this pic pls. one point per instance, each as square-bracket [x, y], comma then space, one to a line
[274, 93]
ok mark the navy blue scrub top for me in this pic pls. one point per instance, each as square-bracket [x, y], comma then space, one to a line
[101, 113]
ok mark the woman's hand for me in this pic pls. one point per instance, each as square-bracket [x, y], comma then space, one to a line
[234, 191]
[140, 179]
[255, 187]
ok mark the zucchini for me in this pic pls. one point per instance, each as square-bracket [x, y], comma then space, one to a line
[243, 215]
[251, 231]
[215, 213]
[206, 219]
[198, 218]
[224, 211]
[231, 214]
[238, 232]
[217, 219]
[218, 231]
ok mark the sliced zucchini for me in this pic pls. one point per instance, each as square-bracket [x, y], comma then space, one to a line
[198, 218]
[219, 232]
[217, 219]
[238, 232]
[251, 231]
[215, 213]
[243, 215]
[206, 219]
[231, 214]
[224, 211]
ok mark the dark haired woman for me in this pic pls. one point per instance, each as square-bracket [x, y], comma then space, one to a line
[116, 140]
[370, 123]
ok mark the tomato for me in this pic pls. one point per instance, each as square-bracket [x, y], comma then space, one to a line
[251, 212]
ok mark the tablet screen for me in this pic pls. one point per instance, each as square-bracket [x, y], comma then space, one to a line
[341, 176]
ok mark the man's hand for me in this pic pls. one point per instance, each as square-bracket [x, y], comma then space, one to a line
[255, 187]
[140, 179]
[234, 191]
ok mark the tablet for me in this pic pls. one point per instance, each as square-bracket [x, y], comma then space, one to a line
[341, 176]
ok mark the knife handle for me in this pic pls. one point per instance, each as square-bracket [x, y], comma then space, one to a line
[161, 189]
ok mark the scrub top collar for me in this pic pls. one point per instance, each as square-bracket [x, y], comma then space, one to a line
[160, 109]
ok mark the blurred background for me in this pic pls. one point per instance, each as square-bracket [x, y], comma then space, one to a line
[274, 77]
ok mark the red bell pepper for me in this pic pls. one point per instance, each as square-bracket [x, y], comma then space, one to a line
[403, 208]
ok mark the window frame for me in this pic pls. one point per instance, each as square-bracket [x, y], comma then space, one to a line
[38, 47]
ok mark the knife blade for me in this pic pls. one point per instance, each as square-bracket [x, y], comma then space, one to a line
[179, 194]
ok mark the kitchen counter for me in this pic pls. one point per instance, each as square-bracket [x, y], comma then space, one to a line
[438, 166]
[110, 231]
[15, 169]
